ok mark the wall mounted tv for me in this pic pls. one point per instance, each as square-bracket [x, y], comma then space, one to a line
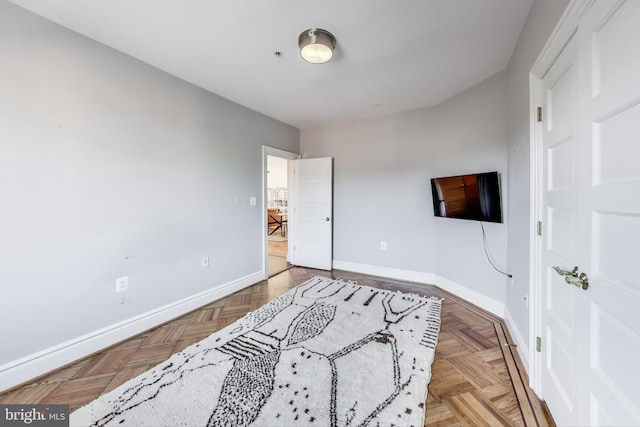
[474, 196]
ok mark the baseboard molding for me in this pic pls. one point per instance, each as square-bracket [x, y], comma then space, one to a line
[392, 273]
[522, 344]
[495, 307]
[34, 365]
[474, 297]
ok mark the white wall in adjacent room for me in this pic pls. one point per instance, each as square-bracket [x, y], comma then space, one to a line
[276, 172]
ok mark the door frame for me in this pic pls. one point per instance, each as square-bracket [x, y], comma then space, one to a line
[276, 152]
[563, 33]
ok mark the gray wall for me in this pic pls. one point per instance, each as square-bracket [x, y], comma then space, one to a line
[542, 19]
[103, 157]
[382, 171]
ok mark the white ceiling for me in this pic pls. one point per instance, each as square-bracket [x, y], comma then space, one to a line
[391, 55]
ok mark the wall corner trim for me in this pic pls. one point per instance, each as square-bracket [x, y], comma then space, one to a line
[494, 307]
[34, 365]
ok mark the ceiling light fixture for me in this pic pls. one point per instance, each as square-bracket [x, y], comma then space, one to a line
[316, 45]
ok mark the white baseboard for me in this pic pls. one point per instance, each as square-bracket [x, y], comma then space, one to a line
[474, 297]
[392, 273]
[22, 370]
[522, 344]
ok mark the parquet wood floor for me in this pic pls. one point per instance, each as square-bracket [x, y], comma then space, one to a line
[277, 251]
[476, 378]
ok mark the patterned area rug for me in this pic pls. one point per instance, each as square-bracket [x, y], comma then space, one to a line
[328, 352]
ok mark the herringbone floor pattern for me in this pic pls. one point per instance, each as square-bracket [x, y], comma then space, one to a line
[476, 378]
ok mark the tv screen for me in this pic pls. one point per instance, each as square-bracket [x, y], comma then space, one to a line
[473, 196]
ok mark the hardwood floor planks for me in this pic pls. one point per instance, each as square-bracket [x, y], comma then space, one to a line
[476, 378]
[502, 397]
[472, 410]
[447, 381]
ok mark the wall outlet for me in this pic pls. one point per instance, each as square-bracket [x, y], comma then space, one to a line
[122, 284]
[204, 262]
[253, 201]
[383, 245]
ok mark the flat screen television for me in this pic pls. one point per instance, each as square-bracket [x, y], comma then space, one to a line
[474, 196]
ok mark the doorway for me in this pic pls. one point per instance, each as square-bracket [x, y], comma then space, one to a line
[277, 218]
[277, 214]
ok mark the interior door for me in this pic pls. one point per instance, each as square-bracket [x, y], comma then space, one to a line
[591, 210]
[313, 210]
[561, 182]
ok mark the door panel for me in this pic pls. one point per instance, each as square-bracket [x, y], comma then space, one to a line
[561, 167]
[615, 48]
[560, 196]
[313, 242]
[612, 203]
[614, 136]
[608, 262]
[561, 231]
[591, 200]
[560, 302]
[561, 371]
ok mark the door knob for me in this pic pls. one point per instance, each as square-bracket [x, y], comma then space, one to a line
[573, 278]
[326, 218]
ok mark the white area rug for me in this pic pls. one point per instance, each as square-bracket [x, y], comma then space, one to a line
[327, 352]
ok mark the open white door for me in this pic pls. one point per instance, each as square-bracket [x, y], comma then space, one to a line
[313, 210]
[589, 190]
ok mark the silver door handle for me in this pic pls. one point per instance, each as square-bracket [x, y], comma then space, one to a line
[573, 278]
[326, 218]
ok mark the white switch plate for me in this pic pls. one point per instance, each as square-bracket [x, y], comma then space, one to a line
[383, 245]
[253, 201]
[122, 284]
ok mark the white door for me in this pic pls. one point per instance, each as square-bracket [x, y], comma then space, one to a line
[562, 319]
[590, 208]
[313, 211]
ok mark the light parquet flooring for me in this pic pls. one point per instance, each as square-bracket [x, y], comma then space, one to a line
[277, 251]
[476, 378]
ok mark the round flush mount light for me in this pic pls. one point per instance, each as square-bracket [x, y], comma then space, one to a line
[316, 45]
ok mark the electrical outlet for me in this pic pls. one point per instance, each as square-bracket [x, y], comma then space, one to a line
[383, 245]
[122, 284]
[204, 262]
[253, 201]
